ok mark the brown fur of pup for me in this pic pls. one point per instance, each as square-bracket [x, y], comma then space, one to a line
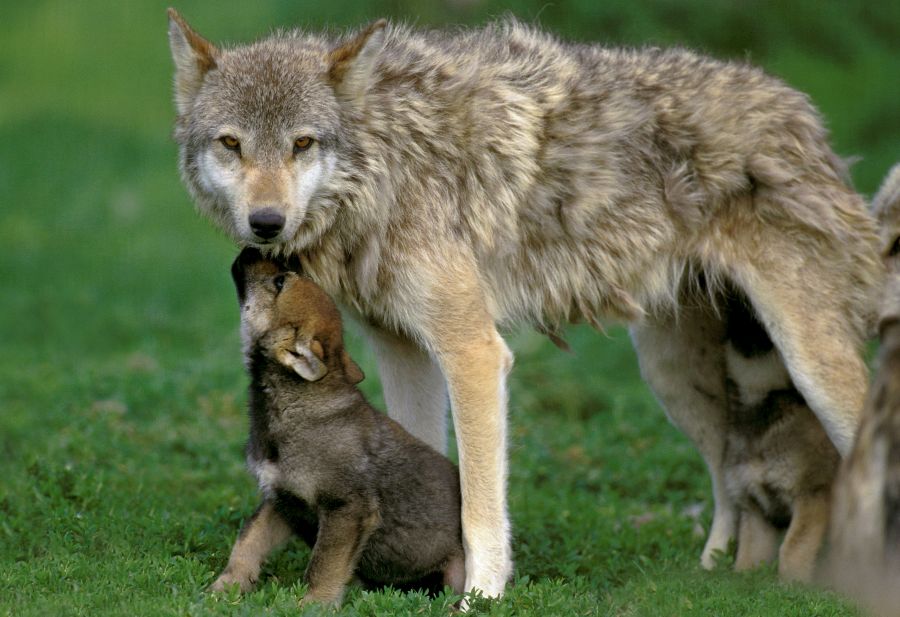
[368, 497]
[779, 463]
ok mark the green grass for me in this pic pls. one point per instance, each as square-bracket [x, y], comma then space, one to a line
[122, 394]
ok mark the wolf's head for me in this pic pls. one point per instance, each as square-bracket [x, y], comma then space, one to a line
[260, 127]
[290, 319]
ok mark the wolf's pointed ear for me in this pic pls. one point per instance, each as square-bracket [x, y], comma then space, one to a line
[350, 65]
[352, 371]
[194, 56]
[305, 360]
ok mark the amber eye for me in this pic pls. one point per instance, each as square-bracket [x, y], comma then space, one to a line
[302, 143]
[232, 143]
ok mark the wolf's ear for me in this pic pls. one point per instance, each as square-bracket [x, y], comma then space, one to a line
[351, 64]
[194, 56]
[352, 371]
[305, 360]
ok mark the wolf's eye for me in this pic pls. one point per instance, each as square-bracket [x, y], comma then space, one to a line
[302, 143]
[278, 281]
[232, 143]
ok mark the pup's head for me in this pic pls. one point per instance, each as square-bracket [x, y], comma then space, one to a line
[259, 127]
[290, 319]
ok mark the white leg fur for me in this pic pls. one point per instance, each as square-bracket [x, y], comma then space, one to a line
[414, 387]
[477, 383]
[682, 360]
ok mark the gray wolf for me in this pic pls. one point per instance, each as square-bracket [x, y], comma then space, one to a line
[864, 559]
[367, 496]
[443, 185]
[779, 464]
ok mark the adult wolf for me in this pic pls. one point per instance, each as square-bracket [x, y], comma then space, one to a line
[440, 185]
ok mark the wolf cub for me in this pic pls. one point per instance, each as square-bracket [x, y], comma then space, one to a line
[369, 498]
[779, 463]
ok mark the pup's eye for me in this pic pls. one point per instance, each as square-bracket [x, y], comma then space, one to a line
[302, 143]
[232, 143]
[895, 248]
[278, 281]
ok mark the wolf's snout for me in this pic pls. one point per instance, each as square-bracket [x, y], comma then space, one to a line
[267, 223]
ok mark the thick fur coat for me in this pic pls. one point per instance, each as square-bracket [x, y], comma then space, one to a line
[443, 184]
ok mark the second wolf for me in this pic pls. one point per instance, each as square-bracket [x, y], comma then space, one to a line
[443, 184]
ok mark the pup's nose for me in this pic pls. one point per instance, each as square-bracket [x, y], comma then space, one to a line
[267, 223]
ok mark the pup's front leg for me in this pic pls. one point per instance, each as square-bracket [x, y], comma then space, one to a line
[265, 531]
[343, 533]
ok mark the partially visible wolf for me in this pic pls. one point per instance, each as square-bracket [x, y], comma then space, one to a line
[368, 497]
[864, 559]
[442, 184]
[779, 464]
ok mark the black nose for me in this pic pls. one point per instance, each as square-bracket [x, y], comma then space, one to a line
[267, 223]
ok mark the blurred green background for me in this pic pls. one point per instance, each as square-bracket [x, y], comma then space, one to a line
[121, 389]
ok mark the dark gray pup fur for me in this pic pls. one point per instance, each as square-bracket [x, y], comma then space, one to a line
[779, 464]
[366, 495]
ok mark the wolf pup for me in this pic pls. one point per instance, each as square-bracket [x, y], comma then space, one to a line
[779, 463]
[864, 559]
[368, 497]
[439, 184]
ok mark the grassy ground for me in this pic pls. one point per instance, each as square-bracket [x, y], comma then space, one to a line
[122, 395]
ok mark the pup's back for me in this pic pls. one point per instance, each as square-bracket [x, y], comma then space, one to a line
[779, 463]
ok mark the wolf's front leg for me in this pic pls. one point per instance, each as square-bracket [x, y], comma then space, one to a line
[414, 388]
[476, 376]
[459, 330]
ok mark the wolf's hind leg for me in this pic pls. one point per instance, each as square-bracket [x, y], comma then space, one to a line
[682, 360]
[803, 311]
[414, 387]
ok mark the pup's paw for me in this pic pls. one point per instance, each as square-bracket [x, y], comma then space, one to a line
[228, 579]
[313, 596]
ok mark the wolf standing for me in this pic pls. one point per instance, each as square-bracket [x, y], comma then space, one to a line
[442, 184]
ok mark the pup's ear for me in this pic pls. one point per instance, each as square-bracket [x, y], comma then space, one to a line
[194, 56]
[352, 371]
[351, 64]
[306, 360]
